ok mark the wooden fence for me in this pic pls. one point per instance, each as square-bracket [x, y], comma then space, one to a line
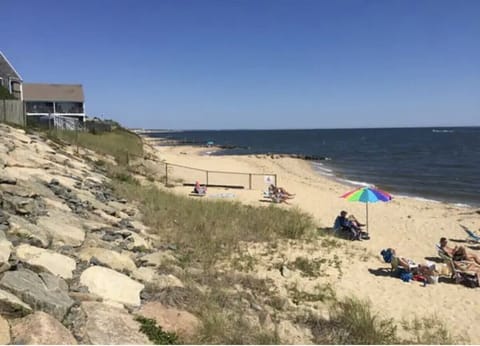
[12, 112]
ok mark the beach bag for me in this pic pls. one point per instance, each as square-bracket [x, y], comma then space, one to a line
[467, 280]
[406, 276]
[387, 255]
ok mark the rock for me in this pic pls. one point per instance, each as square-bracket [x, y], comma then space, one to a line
[47, 260]
[145, 274]
[82, 297]
[27, 230]
[11, 306]
[114, 260]
[158, 258]
[53, 282]
[4, 331]
[64, 228]
[137, 241]
[285, 271]
[171, 320]
[41, 328]
[105, 324]
[106, 283]
[169, 280]
[30, 287]
[5, 248]
[7, 180]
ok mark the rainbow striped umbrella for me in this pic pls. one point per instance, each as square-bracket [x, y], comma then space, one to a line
[367, 195]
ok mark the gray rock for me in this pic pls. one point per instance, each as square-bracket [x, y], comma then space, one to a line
[7, 180]
[11, 306]
[30, 287]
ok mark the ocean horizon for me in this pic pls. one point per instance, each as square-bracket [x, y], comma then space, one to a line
[438, 163]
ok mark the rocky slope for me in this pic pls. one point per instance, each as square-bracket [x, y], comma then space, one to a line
[74, 259]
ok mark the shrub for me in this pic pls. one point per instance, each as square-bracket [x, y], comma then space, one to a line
[155, 333]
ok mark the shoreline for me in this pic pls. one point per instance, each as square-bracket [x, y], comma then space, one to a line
[327, 172]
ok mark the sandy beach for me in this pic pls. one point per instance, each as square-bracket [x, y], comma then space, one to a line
[411, 226]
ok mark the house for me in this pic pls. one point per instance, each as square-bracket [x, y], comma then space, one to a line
[10, 78]
[65, 100]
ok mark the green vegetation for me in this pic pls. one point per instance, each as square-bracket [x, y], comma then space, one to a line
[122, 144]
[310, 268]
[353, 322]
[209, 230]
[155, 333]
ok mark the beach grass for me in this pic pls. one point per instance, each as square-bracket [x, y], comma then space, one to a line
[119, 143]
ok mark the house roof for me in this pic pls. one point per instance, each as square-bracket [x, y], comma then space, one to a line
[53, 92]
[7, 69]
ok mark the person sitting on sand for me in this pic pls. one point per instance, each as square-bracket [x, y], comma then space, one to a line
[355, 222]
[342, 223]
[458, 253]
[199, 189]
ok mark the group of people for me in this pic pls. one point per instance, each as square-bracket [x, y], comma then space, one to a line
[467, 263]
[279, 194]
[350, 225]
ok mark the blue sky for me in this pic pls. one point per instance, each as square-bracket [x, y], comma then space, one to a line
[256, 64]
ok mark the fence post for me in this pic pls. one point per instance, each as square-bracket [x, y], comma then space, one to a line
[249, 181]
[275, 179]
[166, 174]
[206, 184]
[76, 136]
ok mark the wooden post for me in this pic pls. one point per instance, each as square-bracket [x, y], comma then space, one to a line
[249, 181]
[275, 179]
[166, 174]
[206, 183]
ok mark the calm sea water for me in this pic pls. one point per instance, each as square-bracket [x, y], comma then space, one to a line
[433, 163]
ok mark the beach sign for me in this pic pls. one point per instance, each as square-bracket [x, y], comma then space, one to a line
[269, 179]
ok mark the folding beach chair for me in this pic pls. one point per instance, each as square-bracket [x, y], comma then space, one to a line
[460, 276]
[472, 237]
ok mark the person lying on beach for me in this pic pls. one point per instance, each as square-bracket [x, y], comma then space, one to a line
[199, 189]
[458, 253]
[342, 223]
[272, 189]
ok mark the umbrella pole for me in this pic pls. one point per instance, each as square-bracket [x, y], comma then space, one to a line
[367, 216]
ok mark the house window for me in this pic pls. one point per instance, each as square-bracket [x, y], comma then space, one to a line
[1, 82]
[39, 107]
[69, 107]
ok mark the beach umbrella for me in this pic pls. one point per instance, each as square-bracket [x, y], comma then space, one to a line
[367, 195]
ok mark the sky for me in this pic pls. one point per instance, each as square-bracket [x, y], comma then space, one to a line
[253, 64]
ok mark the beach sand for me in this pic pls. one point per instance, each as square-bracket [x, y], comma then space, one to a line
[411, 226]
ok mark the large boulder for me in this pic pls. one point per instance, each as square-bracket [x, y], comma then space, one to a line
[11, 306]
[4, 331]
[170, 319]
[64, 228]
[105, 324]
[111, 285]
[46, 259]
[5, 248]
[113, 259]
[38, 291]
[41, 329]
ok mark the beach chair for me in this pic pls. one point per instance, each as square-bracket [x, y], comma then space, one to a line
[459, 275]
[472, 237]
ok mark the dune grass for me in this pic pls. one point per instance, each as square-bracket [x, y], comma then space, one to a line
[120, 143]
[210, 229]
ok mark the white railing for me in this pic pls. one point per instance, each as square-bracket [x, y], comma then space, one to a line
[65, 123]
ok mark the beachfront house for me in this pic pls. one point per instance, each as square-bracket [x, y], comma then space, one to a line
[10, 79]
[66, 100]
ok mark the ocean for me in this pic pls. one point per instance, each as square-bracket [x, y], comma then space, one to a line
[441, 164]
